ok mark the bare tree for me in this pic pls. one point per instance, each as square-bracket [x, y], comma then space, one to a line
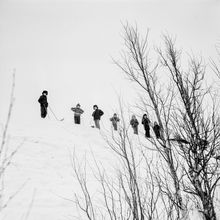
[139, 68]
[215, 64]
[6, 155]
[198, 122]
[188, 117]
[85, 203]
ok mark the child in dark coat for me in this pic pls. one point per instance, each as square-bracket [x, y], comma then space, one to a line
[146, 124]
[77, 113]
[97, 116]
[156, 129]
[43, 103]
[115, 119]
[134, 123]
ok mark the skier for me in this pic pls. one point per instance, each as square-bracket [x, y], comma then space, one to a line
[43, 103]
[134, 123]
[146, 124]
[77, 113]
[97, 115]
[156, 129]
[115, 119]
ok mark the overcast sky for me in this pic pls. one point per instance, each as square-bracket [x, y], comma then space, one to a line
[66, 47]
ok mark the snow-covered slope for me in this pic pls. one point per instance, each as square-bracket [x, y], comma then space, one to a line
[41, 170]
[41, 176]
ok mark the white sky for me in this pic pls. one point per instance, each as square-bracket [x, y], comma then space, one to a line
[66, 47]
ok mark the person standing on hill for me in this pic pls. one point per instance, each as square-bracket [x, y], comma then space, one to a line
[115, 119]
[157, 129]
[43, 103]
[97, 116]
[134, 123]
[146, 124]
[77, 113]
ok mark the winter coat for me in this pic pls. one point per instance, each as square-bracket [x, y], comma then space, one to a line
[134, 122]
[77, 111]
[43, 100]
[97, 114]
[156, 129]
[114, 120]
[146, 123]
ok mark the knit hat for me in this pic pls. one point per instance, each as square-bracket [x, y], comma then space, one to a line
[45, 92]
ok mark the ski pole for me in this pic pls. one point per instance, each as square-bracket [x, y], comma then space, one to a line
[53, 113]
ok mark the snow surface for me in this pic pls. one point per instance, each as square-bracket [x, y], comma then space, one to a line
[42, 170]
[41, 174]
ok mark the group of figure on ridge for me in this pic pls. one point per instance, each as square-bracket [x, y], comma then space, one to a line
[97, 114]
[146, 123]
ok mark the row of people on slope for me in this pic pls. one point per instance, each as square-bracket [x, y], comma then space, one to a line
[147, 124]
[97, 113]
[96, 116]
[77, 110]
[115, 119]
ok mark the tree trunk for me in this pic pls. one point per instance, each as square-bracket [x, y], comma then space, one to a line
[208, 208]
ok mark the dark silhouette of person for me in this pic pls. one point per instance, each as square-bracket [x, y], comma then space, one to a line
[146, 124]
[97, 116]
[43, 103]
[115, 119]
[134, 123]
[156, 129]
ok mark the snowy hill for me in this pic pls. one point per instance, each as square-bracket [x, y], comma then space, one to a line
[41, 177]
[41, 172]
